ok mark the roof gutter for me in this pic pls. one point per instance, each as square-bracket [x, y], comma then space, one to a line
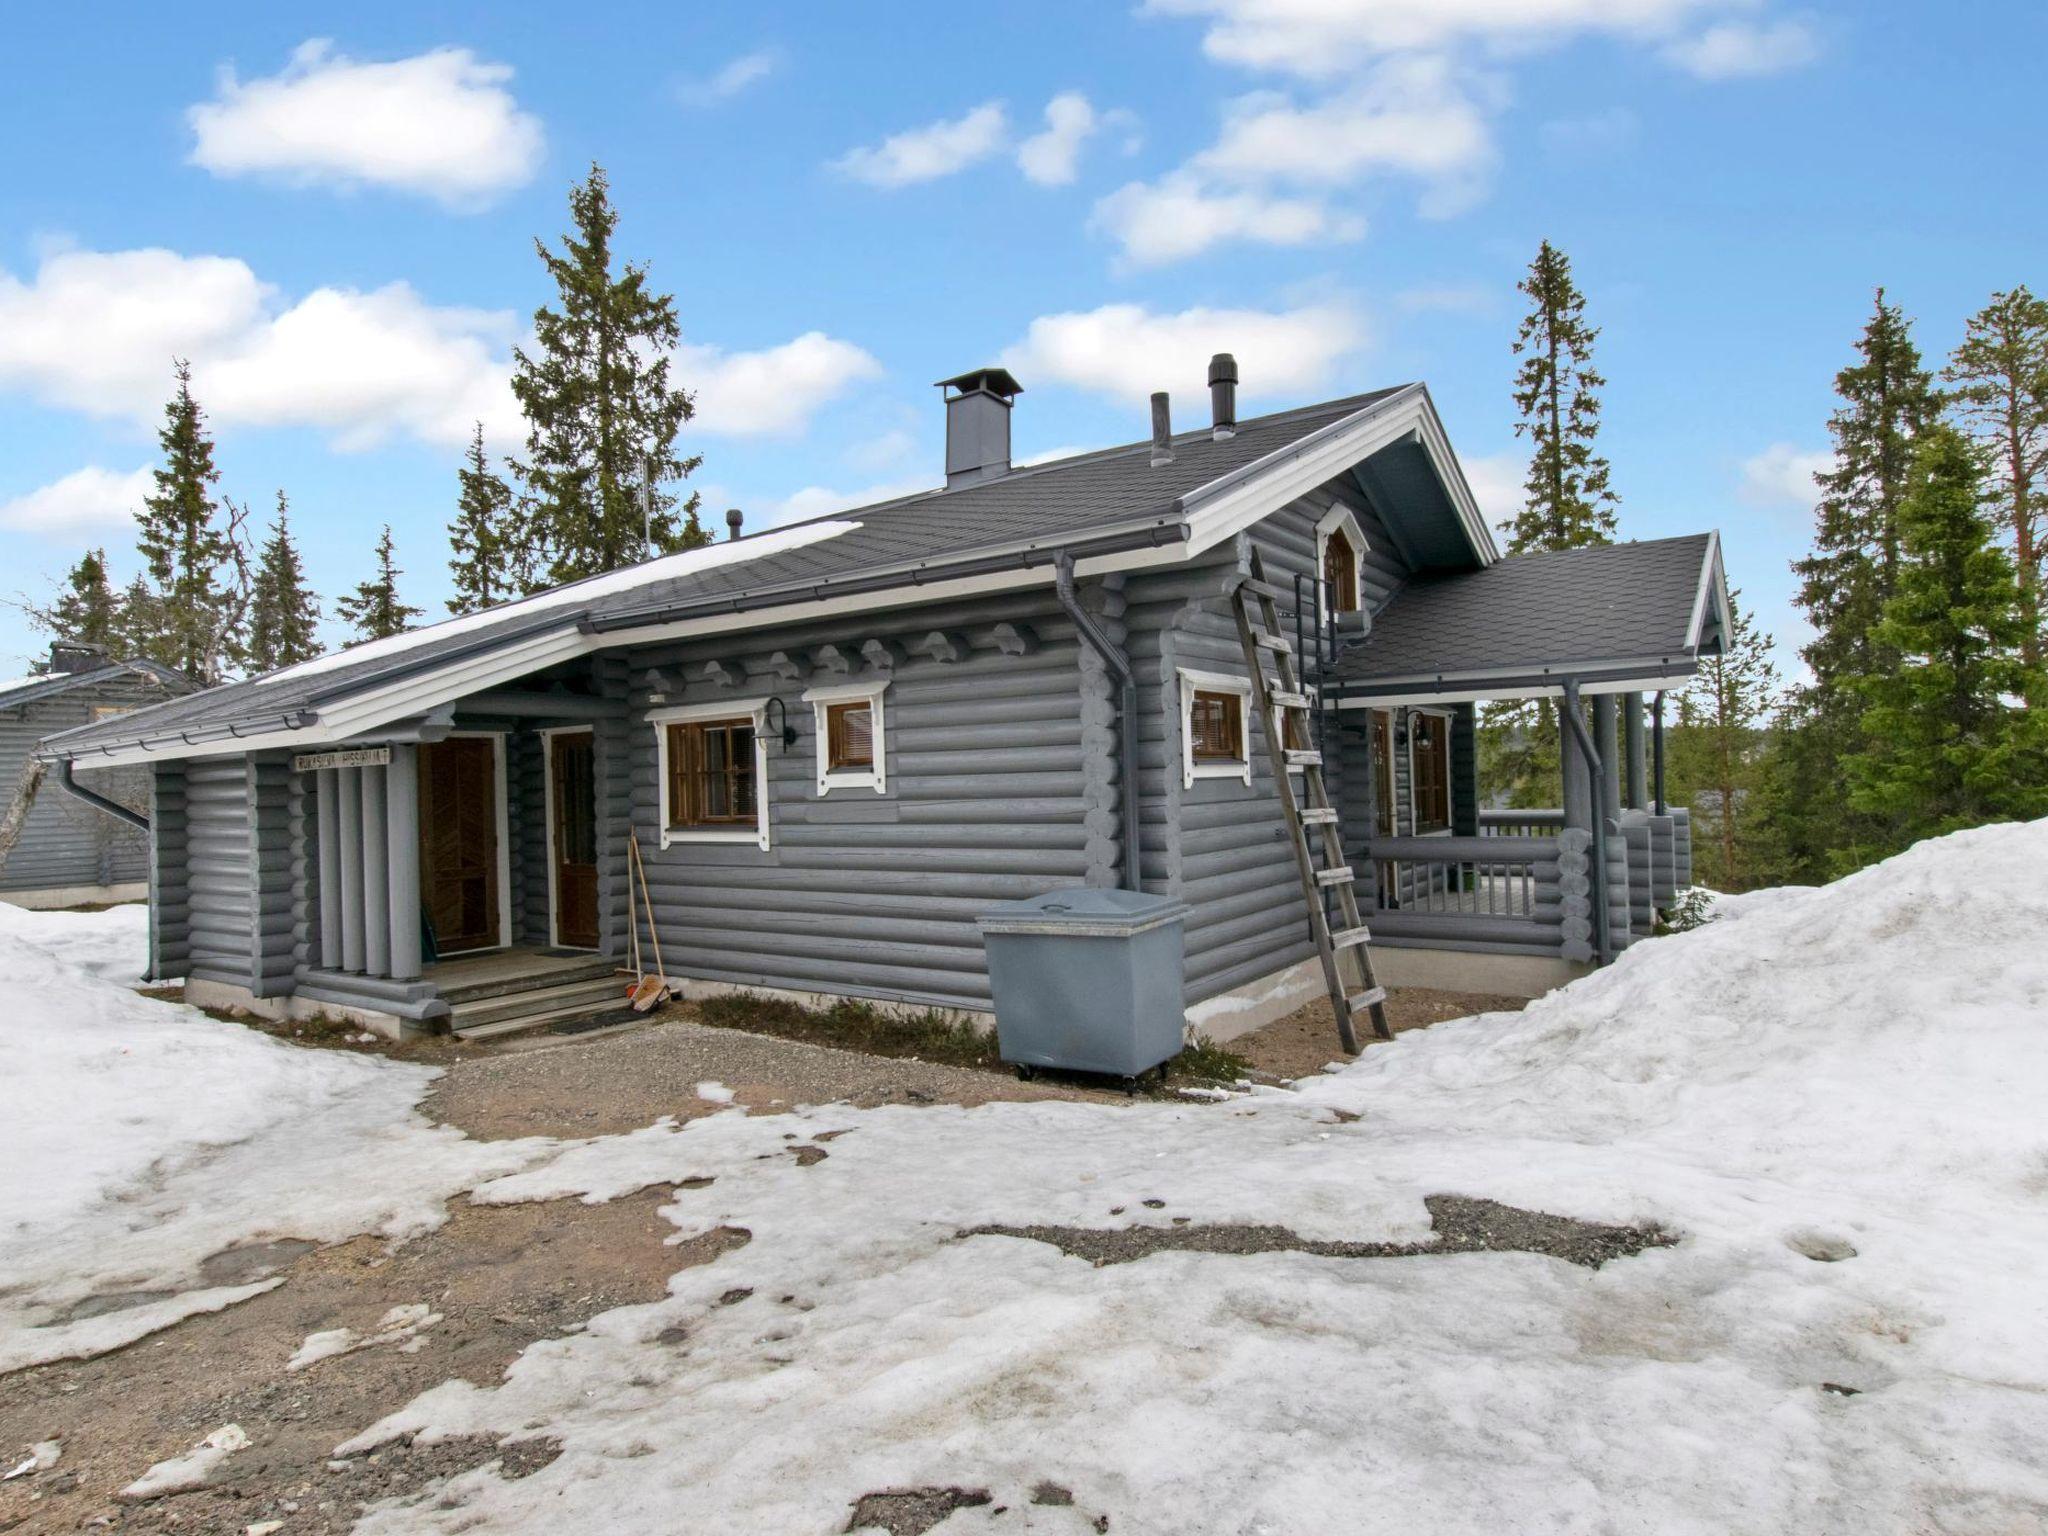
[1119, 662]
[51, 749]
[98, 802]
[1031, 557]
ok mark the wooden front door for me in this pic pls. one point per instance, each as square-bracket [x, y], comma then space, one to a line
[572, 830]
[459, 842]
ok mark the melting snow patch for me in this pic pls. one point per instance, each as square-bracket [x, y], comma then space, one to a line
[401, 1326]
[194, 1469]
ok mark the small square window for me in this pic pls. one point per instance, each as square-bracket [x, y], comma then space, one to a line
[852, 753]
[1216, 726]
[850, 735]
[1215, 715]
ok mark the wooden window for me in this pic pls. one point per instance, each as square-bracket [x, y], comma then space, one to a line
[850, 735]
[1216, 727]
[711, 774]
[1340, 573]
[1429, 767]
[109, 711]
[1383, 772]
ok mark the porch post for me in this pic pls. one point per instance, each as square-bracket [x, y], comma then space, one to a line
[329, 859]
[349, 853]
[1576, 773]
[376, 886]
[402, 860]
[1638, 776]
[1657, 749]
[1606, 739]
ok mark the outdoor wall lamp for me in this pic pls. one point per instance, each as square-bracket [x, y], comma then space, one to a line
[786, 731]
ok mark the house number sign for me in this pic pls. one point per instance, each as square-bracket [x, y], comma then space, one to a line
[361, 757]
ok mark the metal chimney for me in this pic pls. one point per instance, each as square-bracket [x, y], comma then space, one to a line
[1162, 430]
[1223, 395]
[978, 424]
[733, 518]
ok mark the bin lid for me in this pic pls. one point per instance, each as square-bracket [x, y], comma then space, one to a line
[1084, 911]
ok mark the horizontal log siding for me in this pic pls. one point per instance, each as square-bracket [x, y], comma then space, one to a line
[1220, 845]
[526, 818]
[218, 851]
[65, 841]
[860, 893]
[170, 896]
[272, 936]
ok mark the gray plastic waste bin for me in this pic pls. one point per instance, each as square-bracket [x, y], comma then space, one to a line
[1086, 979]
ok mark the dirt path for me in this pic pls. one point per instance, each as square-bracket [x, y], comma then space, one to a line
[1304, 1042]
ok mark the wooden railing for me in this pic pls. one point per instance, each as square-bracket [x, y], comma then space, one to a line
[1522, 823]
[1492, 892]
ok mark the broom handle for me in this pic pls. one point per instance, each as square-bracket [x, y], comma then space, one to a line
[647, 901]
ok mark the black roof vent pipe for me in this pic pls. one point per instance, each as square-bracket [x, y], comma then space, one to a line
[1223, 395]
[733, 518]
[1162, 430]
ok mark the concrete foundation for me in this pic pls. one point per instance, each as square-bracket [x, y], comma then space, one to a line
[228, 998]
[54, 898]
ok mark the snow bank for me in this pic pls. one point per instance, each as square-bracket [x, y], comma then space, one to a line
[1858, 1068]
[143, 1137]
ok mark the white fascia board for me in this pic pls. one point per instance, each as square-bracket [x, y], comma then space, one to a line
[428, 690]
[1713, 588]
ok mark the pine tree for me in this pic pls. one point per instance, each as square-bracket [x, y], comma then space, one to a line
[87, 609]
[374, 608]
[1557, 392]
[141, 619]
[1950, 739]
[599, 407]
[1568, 502]
[486, 539]
[2000, 388]
[192, 549]
[282, 608]
[1887, 401]
[1717, 747]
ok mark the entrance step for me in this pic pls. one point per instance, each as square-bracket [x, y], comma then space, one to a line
[528, 1023]
[494, 977]
[591, 995]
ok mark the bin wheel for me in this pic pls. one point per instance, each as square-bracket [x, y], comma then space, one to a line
[1026, 1073]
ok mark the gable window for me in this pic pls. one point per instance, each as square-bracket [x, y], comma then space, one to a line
[850, 730]
[1340, 544]
[713, 771]
[1214, 741]
[1429, 770]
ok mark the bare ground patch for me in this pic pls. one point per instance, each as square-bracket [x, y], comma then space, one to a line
[1462, 1225]
[499, 1278]
[1304, 1042]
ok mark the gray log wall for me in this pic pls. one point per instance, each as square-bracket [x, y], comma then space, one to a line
[65, 842]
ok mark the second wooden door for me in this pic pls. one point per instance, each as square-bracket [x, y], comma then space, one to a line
[572, 765]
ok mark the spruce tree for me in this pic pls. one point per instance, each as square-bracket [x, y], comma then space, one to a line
[1952, 733]
[485, 539]
[87, 609]
[141, 619]
[282, 608]
[1717, 747]
[1557, 393]
[191, 548]
[1887, 401]
[600, 410]
[1999, 385]
[374, 608]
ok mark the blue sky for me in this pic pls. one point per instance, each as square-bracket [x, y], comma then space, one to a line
[333, 217]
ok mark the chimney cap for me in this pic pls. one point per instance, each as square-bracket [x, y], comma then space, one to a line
[1222, 369]
[996, 381]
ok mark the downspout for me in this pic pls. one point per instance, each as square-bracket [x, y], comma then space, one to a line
[98, 802]
[1119, 664]
[1657, 751]
[1583, 739]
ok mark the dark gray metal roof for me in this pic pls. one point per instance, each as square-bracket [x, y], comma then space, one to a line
[1088, 495]
[1602, 607]
[50, 684]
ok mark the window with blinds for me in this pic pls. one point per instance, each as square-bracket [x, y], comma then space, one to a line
[850, 735]
[1216, 727]
[711, 774]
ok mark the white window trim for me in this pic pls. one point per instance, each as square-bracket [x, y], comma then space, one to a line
[547, 782]
[830, 778]
[686, 714]
[1191, 683]
[1450, 771]
[1340, 519]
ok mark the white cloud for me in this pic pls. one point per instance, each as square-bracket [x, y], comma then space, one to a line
[1497, 482]
[1127, 351]
[1052, 158]
[749, 69]
[1782, 476]
[773, 392]
[97, 332]
[440, 124]
[1739, 50]
[1324, 39]
[1181, 215]
[927, 153]
[82, 500]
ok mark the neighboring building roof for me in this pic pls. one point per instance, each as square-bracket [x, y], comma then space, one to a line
[1611, 612]
[23, 691]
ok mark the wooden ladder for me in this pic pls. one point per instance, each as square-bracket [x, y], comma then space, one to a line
[1284, 706]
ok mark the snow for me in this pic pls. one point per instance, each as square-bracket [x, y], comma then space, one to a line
[144, 1137]
[194, 1469]
[402, 1325]
[690, 562]
[1832, 1097]
[1860, 1066]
